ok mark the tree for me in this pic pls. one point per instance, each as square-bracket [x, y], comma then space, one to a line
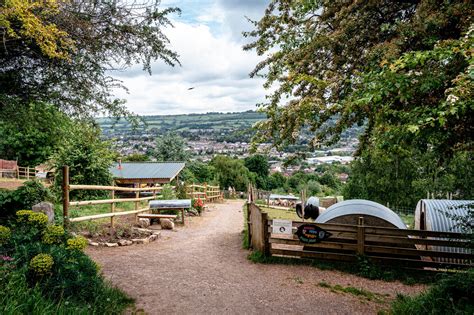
[231, 172]
[401, 68]
[171, 147]
[258, 164]
[88, 157]
[203, 173]
[31, 134]
[136, 157]
[63, 52]
[276, 180]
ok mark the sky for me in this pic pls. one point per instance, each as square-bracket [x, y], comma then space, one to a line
[208, 38]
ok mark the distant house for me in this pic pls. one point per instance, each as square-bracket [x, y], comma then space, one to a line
[138, 173]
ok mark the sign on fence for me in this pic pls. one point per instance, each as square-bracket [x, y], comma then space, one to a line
[311, 234]
[282, 227]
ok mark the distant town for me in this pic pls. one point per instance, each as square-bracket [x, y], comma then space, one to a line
[221, 133]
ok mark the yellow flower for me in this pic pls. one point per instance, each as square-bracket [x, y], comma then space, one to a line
[41, 264]
[38, 219]
[5, 234]
[53, 234]
[23, 215]
[78, 243]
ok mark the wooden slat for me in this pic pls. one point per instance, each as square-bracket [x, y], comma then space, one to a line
[401, 262]
[107, 215]
[311, 254]
[115, 188]
[415, 252]
[329, 245]
[420, 233]
[107, 201]
[413, 241]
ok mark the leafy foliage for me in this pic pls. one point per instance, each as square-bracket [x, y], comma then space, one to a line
[450, 295]
[52, 274]
[402, 68]
[231, 172]
[31, 133]
[31, 193]
[61, 52]
[171, 147]
[88, 158]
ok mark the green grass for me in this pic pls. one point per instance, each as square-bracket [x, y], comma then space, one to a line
[362, 268]
[361, 293]
[17, 297]
[280, 214]
[245, 231]
[451, 294]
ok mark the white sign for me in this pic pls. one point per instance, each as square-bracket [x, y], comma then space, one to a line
[282, 226]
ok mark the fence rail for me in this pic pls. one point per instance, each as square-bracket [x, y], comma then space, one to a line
[19, 172]
[206, 192]
[406, 248]
[67, 188]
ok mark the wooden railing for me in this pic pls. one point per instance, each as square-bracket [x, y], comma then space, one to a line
[205, 192]
[113, 201]
[19, 172]
[405, 248]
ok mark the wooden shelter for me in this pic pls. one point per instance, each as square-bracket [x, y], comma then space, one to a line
[138, 173]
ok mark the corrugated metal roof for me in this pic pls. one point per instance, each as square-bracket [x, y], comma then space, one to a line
[142, 170]
[439, 212]
[361, 207]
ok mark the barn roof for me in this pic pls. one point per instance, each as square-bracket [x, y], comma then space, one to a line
[147, 170]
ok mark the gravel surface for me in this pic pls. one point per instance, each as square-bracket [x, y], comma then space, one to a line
[202, 269]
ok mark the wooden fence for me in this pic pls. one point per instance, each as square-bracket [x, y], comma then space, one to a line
[405, 248]
[19, 172]
[67, 187]
[205, 192]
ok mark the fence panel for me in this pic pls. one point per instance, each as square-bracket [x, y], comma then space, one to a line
[406, 248]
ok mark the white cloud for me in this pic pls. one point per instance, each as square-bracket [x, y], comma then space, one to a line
[213, 62]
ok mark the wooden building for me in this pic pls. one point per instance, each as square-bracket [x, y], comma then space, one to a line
[145, 173]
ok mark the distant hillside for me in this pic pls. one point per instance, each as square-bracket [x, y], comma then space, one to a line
[230, 127]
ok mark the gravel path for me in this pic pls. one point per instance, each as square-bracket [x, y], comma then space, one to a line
[202, 269]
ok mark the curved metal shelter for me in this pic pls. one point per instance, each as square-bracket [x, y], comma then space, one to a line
[348, 212]
[439, 214]
[442, 215]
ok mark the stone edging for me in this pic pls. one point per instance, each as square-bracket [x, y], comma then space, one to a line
[154, 235]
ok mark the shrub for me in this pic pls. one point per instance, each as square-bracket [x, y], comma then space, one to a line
[5, 234]
[77, 243]
[41, 264]
[25, 197]
[53, 234]
[42, 268]
[451, 295]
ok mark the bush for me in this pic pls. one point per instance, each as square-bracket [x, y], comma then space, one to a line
[46, 263]
[26, 196]
[451, 295]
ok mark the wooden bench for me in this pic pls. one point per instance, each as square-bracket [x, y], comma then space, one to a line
[157, 216]
[153, 216]
[170, 205]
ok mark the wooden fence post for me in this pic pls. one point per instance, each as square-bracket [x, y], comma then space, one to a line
[137, 195]
[265, 236]
[66, 196]
[360, 236]
[112, 208]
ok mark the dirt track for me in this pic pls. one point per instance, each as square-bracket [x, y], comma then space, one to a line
[202, 269]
